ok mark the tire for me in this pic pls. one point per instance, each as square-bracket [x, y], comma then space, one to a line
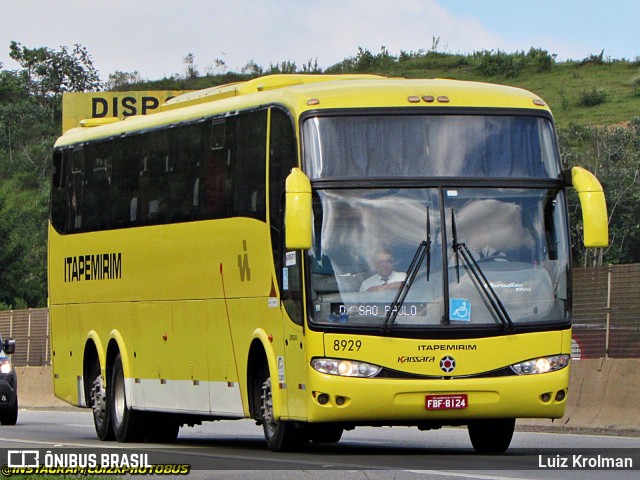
[99, 401]
[10, 417]
[321, 433]
[491, 435]
[161, 428]
[281, 436]
[128, 425]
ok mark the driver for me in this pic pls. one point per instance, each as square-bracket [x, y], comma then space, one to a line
[385, 278]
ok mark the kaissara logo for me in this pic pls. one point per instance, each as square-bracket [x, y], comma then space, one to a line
[405, 359]
[448, 364]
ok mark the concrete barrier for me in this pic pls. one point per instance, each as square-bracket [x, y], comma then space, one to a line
[603, 394]
[35, 388]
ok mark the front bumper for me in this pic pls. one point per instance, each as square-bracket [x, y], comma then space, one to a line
[374, 401]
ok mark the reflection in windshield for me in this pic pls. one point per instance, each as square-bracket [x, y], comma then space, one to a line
[365, 241]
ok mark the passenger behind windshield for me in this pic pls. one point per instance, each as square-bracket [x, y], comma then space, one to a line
[385, 278]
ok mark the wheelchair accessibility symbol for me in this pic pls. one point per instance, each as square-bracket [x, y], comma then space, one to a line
[459, 310]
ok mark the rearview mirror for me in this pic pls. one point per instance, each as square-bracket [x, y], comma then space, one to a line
[297, 217]
[9, 346]
[594, 208]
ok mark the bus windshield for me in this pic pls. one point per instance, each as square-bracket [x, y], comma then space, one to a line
[490, 257]
[436, 256]
[382, 146]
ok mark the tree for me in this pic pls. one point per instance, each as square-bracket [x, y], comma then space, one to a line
[191, 69]
[30, 101]
[49, 73]
[122, 80]
[613, 155]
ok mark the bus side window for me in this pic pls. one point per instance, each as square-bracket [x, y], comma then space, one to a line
[124, 183]
[59, 207]
[292, 286]
[75, 190]
[184, 165]
[153, 186]
[214, 189]
[95, 211]
[247, 134]
[282, 158]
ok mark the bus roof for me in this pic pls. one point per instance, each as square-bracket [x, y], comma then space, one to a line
[312, 92]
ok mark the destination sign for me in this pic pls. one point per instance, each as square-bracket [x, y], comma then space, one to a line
[378, 309]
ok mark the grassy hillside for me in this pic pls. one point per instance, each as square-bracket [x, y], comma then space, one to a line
[571, 90]
[592, 91]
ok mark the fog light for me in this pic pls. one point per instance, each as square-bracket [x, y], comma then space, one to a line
[323, 398]
[545, 397]
[560, 395]
[339, 401]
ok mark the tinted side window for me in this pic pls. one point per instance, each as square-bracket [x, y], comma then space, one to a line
[203, 170]
[154, 178]
[247, 140]
[216, 182]
[75, 190]
[59, 199]
[95, 209]
[185, 161]
[124, 182]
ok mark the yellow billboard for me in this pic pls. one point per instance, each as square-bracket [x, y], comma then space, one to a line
[77, 106]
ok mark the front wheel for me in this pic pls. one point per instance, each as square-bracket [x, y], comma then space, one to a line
[10, 417]
[491, 435]
[128, 424]
[280, 435]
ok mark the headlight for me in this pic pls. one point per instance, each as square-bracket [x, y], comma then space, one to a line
[5, 366]
[541, 365]
[345, 368]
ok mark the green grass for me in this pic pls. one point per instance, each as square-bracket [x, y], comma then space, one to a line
[566, 86]
[562, 88]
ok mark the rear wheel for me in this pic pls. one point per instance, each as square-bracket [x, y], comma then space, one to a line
[128, 425]
[99, 401]
[280, 435]
[491, 435]
[10, 417]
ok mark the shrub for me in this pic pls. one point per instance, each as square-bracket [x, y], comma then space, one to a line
[593, 97]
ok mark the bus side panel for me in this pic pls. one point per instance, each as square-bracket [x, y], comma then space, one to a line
[249, 316]
[184, 359]
[296, 367]
[64, 382]
[225, 386]
[155, 354]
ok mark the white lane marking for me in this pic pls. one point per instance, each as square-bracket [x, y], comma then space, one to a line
[445, 473]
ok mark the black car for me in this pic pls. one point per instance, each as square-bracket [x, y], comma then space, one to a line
[8, 384]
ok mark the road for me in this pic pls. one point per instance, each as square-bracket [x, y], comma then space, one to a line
[236, 450]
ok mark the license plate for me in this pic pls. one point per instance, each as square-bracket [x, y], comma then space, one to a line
[456, 401]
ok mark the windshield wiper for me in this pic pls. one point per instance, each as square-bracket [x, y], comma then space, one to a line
[489, 293]
[424, 249]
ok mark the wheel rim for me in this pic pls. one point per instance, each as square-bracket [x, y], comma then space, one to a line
[119, 399]
[266, 408]
[99, 400]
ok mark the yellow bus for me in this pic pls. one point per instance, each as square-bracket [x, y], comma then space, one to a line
[317, 253]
